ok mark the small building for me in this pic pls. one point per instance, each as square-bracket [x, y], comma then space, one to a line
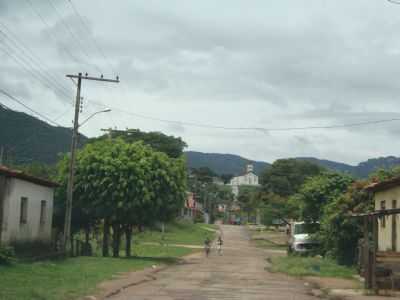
[26, 207]
[192, 208]
[386, 196]
[248, 178]
[381, 243]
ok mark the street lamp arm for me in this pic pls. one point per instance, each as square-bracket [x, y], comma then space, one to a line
[92, 115]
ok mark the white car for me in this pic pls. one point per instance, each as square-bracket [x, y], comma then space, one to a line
[300, 237]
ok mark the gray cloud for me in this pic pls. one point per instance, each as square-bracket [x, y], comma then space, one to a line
[266, 64]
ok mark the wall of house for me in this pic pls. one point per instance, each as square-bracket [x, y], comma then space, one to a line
[12, 229]
[247, 179]
[385, 233]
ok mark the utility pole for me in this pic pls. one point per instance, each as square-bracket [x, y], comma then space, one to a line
[1, 155]
[75, 134]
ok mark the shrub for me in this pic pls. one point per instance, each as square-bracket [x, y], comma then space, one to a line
[6, 255]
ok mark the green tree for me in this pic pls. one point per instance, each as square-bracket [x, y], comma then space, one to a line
[122, 185]
[249, 200]
[170, 145]
[319, 191]
[340, 233]
[285, 176]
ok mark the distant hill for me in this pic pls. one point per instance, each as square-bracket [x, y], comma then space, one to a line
[26, 139]
[362, 170]
[234, 164]
[222, 163]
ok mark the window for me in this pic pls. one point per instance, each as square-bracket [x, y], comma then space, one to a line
[383, 219]
[43, 214]
[23, 216]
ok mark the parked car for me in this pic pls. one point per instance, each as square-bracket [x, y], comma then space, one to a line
[300, 238]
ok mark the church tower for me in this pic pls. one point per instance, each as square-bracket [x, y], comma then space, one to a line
[249, 168]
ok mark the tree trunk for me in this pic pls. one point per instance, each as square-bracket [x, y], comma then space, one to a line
[163, 233]
[128, 238]
[87, 235]
[116, 239]
[72, 244]
[106, 238]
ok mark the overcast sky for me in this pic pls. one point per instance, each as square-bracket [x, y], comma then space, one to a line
[265, 64]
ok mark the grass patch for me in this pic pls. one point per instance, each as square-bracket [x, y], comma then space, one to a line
[310, 266]
[155, 251]
[267, 244]
[63, 279]
[179, 233]
[75, 277]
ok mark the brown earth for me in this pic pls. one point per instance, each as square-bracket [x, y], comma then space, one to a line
[238, 274]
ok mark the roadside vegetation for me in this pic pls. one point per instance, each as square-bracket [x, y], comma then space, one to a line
[293, 189]
[74, 277]
[309, 266]
[267, 238]
[179, 233]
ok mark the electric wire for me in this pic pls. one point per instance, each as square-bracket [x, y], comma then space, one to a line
[88, 31]
[38, 76]
[262, 129]
[73, 35]
[31, 57]
[52, 36]
[15, 99]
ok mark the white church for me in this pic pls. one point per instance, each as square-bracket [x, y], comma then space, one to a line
[249, 178]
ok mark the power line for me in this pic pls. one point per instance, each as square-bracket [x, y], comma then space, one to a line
[72, 34]
[262, 129]
[29, 108]
[31, 57]
[51, 34]
[88, 31]
[38, 76]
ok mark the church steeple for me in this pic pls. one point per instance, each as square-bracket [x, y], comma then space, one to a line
[249, 168]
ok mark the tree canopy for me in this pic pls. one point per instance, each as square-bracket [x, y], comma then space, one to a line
[125, 185]
[170, 145]
[285, 176]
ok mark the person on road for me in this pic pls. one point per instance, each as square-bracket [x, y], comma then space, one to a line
[219, 245]
[207, 246]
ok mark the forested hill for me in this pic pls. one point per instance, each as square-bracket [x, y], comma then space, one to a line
[362, 170]
[222, 163]
[234, 164]
[26, 139]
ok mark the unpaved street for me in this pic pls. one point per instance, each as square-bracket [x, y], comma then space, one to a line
[238, 274]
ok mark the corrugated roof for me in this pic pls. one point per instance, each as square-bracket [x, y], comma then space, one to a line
[21, 175]
[383, 185]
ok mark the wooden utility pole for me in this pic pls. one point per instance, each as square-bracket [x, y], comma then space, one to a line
[75, 133]
[1, 155]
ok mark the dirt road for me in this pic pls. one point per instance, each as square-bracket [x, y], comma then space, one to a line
[238, 274]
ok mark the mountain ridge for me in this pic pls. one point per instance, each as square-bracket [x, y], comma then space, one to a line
[26, 139]
[214, 161]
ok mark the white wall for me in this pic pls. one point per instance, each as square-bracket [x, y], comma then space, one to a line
[32, 230]
[247, 179]
[385, 234]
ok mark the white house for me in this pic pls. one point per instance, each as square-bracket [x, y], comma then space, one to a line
[26, 207]
[249, 178]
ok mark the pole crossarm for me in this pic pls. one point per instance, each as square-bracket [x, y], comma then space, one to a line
[93, 78]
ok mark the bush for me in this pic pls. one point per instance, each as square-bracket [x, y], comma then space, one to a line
[340, 233]
[7, 255]
[199, 218]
